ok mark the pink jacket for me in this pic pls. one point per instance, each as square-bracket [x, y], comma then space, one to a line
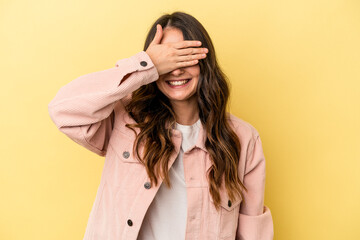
[90, 111]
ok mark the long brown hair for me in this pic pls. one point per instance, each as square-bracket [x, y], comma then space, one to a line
[151, 110]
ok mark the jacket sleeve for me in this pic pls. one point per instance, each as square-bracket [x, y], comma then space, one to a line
[83, 109]
[255, 219]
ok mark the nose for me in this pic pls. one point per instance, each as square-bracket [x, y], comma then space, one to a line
[177, 72]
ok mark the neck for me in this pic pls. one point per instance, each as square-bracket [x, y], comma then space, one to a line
[186, 112]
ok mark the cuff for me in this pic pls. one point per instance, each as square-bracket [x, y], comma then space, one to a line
[141, 61]
[259, 227]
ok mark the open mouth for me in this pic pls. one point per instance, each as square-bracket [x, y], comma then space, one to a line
[178, 82]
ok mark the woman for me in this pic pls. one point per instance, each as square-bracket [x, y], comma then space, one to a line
[177, 165]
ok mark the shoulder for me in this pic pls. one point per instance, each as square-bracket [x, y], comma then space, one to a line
[243, 129]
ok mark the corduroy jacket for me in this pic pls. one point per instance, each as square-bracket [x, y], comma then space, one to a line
[90, 110]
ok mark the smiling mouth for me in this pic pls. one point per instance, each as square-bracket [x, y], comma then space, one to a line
[177, 82]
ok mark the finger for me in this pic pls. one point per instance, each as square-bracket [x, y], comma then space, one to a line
[158, 35]
[186, 43]
[188, 51]
[186, 64]
[191, 57]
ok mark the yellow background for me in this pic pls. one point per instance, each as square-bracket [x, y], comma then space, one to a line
[294, 69]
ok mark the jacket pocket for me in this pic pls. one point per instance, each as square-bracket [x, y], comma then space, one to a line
[122, 145]
[123, 171]
[229, 213]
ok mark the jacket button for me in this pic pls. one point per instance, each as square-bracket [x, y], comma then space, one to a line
[143, 63]
[126, 154]
[229, 203]
[129, 222]
[147, 185]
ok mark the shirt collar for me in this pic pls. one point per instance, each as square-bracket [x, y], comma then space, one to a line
[200, 142]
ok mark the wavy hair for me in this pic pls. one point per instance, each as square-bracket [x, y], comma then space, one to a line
[152, 110]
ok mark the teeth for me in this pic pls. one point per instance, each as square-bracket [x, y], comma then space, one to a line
[178, 83]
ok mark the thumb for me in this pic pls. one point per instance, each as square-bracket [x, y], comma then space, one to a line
[158, 35]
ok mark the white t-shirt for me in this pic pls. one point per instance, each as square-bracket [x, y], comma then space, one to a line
[167, 214]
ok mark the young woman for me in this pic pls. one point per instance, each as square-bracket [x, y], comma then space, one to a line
[177, 165]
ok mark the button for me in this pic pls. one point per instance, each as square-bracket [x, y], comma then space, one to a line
[126, 154]
[143, 63]
[229, 203]
[147, 185]
[129, 222]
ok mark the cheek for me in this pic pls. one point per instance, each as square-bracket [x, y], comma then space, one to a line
[194, 70]
[196, 83]
[161, 80]
[196, 75]
[161, 85]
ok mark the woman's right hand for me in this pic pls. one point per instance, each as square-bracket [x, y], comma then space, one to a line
[170, 56]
